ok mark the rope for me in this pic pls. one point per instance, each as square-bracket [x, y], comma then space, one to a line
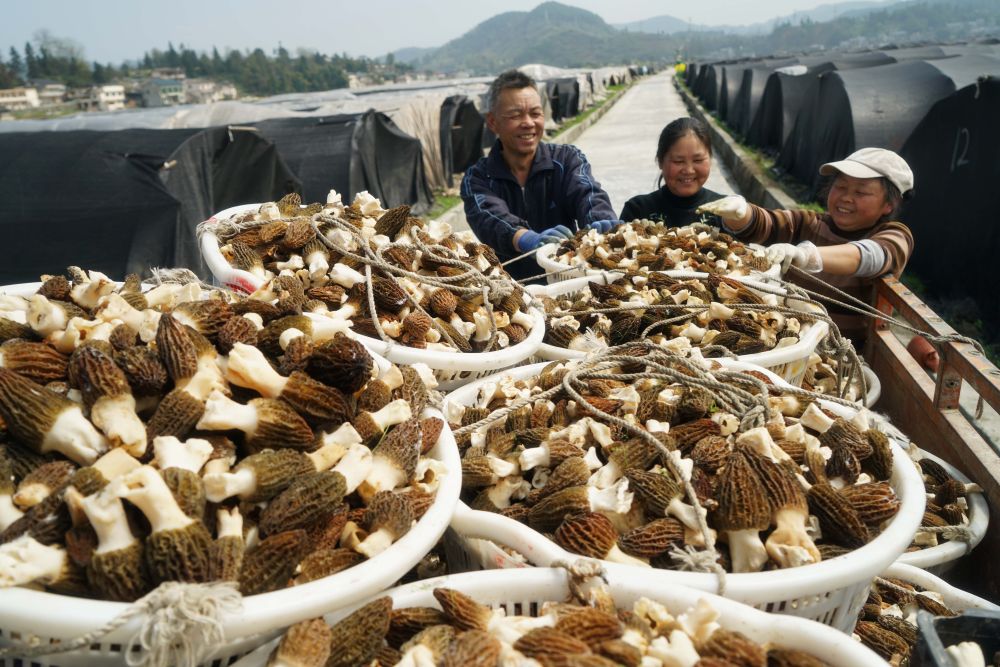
[867, 310]
[885, 583]
[956, 533]
[530, 253]
[636, 431]
[491, 288]
[835, 346]
[472, 281]
[164, 276]
[181, 624]
[579, 573]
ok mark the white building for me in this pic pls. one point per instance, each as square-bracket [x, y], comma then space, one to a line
[162, 92]
[17, 99]
[110, 97]
[50, 93]
[206, 91]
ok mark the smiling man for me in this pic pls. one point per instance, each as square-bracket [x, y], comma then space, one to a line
[526, 193]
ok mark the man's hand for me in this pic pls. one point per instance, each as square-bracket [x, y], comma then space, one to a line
[603, 226]
[733, 207]
[529, 240]
[805, 256]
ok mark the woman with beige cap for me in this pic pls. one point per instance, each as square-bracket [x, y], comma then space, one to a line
[855, 241]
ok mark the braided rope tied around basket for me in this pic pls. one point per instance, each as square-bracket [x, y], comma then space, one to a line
[582, 574]
[181, 625]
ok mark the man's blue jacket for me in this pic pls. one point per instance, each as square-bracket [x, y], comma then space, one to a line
[560, 190]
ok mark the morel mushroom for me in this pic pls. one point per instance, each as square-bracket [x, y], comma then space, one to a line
[45, 421]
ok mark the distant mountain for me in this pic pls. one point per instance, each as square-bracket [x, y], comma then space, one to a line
[552, 33]
[668, 25]
[664, 24]
[411, 54]
[556, 34]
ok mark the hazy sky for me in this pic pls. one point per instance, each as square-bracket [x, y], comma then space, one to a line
[115, 30]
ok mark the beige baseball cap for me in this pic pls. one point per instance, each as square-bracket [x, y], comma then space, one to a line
[873, 163]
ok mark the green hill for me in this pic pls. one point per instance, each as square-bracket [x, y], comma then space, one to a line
[555, 34]
[552, 33]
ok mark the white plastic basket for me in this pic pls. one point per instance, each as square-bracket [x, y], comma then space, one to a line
[953, 597]
[451, 369]
[790, 363]
[831, 592]
[49, 617]
[556, 271]
[524, 591]
[941, 558]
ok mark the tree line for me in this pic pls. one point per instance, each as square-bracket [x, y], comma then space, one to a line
[253, 72]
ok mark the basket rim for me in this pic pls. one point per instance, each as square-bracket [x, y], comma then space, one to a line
[954, 597]
[756, 587]
[461, 361]
[544, 584]
[64, 615]
[979, 519]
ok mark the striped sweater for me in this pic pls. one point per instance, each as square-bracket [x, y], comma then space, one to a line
[780, 226]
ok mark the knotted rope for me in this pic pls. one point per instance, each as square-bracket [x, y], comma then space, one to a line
[581, 573]
[181, 624]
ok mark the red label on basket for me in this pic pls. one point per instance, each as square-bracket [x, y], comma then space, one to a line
[242, 285]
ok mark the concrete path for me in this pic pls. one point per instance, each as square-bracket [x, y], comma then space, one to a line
[621, 146]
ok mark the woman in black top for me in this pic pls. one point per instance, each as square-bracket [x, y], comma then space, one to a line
[684, 155]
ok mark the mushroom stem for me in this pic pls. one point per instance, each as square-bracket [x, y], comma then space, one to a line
[246, 366]
[355, 466]
[26, 560]
[145, 489]
[223, 413]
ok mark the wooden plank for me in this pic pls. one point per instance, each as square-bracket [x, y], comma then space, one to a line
[909, 401]
[961, 359]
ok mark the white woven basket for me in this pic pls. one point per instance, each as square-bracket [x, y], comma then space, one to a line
[556, 271]
[941, 558]
[789, 363]
[451, 369]
[524, 591]
[46, 617]
[831, 592]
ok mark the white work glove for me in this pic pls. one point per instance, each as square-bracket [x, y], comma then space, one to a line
[733, 207]
[805, 256]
